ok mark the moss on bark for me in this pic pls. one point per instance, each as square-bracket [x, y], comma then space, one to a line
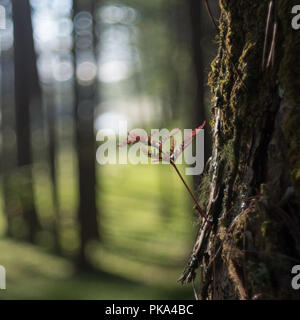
[255, 168]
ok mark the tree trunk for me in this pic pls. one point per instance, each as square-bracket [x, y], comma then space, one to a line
[8, 152]
[26, 90]
[196, 8]
[251, 190]
[85, 100]
[49, 97]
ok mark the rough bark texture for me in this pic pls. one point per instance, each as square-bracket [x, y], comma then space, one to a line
[251, 189]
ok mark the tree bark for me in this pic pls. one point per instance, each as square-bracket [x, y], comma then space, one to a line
[251, 190]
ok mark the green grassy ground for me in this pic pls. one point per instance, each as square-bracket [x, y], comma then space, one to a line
[34, 274]
[146, 225]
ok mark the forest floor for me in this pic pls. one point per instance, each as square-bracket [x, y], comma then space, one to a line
[145, 225]
[34, 274]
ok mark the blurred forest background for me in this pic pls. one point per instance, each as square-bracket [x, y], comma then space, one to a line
[69, 227]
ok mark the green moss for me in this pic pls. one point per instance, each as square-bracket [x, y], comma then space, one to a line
[246, 96]
[239, 230]
[227, 153]
[236, 73]
[204, 190]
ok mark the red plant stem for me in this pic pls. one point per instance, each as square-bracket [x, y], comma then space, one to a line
[192, 195]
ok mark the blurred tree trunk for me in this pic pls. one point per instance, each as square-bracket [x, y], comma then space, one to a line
[85, 100]
[198, 33]
[8, 153]
[49, 96]
[26, 91]
[251, 190]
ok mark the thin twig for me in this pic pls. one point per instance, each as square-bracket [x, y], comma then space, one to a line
[271, 58]
[194, 289]
[267, 33]
[192, 195]
[211, 15]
